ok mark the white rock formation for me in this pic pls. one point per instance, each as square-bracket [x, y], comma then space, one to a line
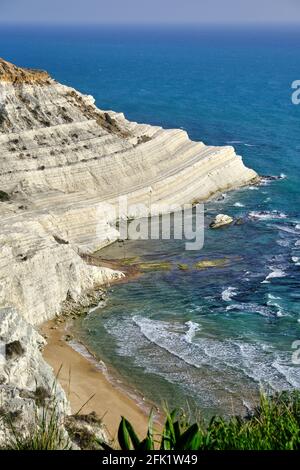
[221, 220]
[61, 159]
[24, 375]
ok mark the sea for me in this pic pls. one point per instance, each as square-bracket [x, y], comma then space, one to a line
[208, 340]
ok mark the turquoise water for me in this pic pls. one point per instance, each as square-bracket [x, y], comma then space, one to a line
[212, 337]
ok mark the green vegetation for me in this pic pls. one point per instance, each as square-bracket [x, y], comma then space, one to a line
[273, 425]
[46, 433]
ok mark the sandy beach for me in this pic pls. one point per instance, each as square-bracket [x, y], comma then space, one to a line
[84, 383]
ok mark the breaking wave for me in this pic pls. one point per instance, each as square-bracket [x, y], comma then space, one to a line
[147, 342]
[275, 273]
[263, 310]
[228, 293]
[267, 215]
[192, 329]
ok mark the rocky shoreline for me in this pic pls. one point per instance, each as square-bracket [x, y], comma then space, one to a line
[61, 158]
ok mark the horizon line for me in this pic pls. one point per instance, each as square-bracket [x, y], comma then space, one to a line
[259, 23]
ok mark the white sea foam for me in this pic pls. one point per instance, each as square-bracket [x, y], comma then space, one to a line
[254, 308]
[207, 367]
[267, 215]
[289, 372]
[228, 293]
[101, 304]
[273, 302]
[284, 228]
[276, 272]
[273, 297]
[252, 359]
[283, 243]
[238, 204]
[192, 329]
[265, 181]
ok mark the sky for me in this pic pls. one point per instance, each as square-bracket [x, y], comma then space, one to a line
[149, 11]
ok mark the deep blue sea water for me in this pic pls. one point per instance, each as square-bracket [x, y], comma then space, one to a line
[212, 337]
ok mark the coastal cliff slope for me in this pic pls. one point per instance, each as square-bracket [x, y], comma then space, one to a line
[60, 156]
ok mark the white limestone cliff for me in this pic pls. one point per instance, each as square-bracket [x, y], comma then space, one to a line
[25, 379]
[61, 158]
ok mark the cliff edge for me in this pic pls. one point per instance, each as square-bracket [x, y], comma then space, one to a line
[60, 157]
[12, 74]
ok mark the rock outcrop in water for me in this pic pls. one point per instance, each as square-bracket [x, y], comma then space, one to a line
[221, 220]
[60, 156]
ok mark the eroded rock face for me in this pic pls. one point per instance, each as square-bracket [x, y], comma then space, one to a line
[63, 165]
[86, 431]
[27, 382]
[29, 390]
[60, 159]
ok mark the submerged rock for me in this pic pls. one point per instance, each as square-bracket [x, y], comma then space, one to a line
[130, 261]
[221, 220]
[183, 266]
[212, 263]
[155, 266]
[273, 177]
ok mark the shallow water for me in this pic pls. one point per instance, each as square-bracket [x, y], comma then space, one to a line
[210, 337]
[213, 336]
